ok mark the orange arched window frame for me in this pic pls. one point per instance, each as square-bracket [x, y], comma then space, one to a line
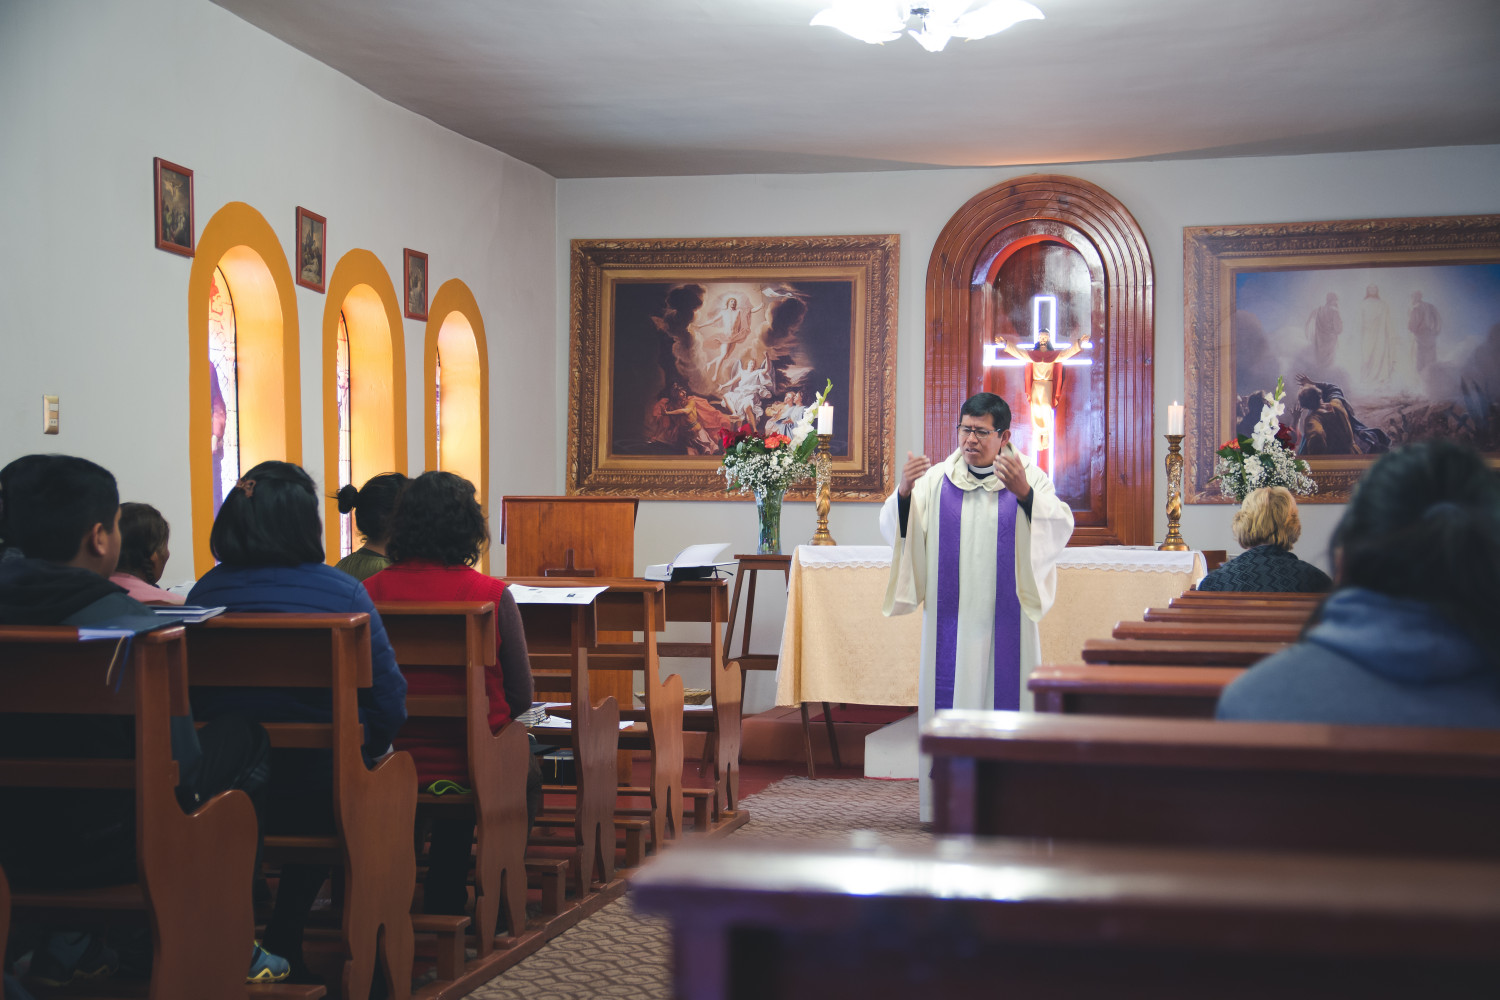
[360, 291]
[240, 243]
[455, 330]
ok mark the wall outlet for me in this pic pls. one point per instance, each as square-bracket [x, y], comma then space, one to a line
[50, 408]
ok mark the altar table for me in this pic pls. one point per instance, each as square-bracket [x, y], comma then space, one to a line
[837, 647]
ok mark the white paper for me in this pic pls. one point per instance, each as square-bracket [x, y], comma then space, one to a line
[556, 722]
[555, 595]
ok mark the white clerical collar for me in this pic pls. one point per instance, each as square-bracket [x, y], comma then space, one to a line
[978, 473]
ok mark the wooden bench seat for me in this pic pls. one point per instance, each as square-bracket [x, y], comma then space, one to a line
[1149, 690]
[638, 606]
[373, 809]
[863, 916]
[1185, 782]
[1197, 612]
[1191, 653]
[558, 638]
[182, 859]
[461, 637]
[1219, 630]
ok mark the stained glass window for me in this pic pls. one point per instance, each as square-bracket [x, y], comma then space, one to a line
[224, 395]
[346, 458]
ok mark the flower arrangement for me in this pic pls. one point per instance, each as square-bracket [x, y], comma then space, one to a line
[1267, 457]
[770, 464]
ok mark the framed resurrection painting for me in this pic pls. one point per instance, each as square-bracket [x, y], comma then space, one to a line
[674, 339]
[1385, 331]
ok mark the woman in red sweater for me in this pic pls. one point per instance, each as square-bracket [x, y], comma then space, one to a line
[437, 534]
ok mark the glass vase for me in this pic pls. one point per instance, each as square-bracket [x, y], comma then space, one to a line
[768, 512]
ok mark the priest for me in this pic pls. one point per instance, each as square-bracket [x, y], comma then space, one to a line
[975, 541]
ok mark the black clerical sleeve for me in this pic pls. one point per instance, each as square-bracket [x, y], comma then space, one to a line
[1026, 504]
[903, 504]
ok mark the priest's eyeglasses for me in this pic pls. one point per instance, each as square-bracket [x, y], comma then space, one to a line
[979, 433]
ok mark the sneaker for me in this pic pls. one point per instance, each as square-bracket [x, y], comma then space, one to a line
[72, 957]
[266, 967]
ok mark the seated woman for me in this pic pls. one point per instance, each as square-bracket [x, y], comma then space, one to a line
[1410, 637]
[1267, 526]
[143, 554]
[269, 540]
[373, 504]
[437, 535]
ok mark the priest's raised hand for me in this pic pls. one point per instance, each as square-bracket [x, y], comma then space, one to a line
[916, 466]
[1013, 474]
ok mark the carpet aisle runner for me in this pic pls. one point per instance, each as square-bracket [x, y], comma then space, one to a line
[623, 956]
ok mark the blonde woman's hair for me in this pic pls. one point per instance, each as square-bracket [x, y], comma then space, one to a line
[1268, 517]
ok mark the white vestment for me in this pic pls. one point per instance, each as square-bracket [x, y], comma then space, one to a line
[1039, 542]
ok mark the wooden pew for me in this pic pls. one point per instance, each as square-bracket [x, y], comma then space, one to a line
[558, 638]
[1247, 597]
[1156, 691]
[1209, 631]
[630, 606]
[374, 809]
[864, 916]
[1285, 786]
[707, 602]
[182, 859]
[1190, 653]
[1203, 613]
[461, 636]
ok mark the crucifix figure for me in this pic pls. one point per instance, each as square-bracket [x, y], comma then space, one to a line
[1044, 377]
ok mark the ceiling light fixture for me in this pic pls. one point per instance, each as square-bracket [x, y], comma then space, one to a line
[879, 21]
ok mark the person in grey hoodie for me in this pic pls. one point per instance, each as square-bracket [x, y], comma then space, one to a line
[1411, 635]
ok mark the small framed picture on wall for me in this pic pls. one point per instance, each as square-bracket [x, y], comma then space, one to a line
[312, 235]
[174, 207]
[416, 284]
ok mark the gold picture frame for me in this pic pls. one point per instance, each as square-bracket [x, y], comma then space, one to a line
[673, 340]
[1396, 322]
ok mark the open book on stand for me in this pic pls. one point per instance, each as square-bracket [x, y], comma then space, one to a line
[696, 562]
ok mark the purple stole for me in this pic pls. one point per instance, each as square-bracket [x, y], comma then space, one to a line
[1007, 604]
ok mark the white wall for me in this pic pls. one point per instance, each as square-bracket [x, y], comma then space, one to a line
[1163, 196]
[91, 311]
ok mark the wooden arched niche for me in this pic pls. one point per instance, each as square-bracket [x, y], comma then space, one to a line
[1047, 233]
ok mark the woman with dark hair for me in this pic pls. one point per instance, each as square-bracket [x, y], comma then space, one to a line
[373, 504]
[1410, 636]
[269, 540]
[143, 554]
[437, 535]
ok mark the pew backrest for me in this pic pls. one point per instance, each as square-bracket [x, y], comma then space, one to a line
[1149, 689]
[1172, 652]
[1230, 784]
[181, 858]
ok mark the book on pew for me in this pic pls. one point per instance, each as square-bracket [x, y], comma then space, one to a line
[696, 562]
[187, 614]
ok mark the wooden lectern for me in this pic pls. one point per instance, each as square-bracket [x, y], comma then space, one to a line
[575, 536]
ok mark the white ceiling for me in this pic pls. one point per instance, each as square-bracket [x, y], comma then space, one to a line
[606, 88]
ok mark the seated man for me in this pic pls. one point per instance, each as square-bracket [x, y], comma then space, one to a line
[59, 522]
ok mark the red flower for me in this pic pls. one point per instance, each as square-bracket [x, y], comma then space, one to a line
[775, 440]
[1231, 443]
[728, 439]
[1287, 437]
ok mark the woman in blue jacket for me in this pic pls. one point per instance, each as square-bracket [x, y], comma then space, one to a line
[268, 539]
[1411, 637]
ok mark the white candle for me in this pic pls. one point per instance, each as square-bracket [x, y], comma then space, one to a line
[1174, 418]
[825, 419]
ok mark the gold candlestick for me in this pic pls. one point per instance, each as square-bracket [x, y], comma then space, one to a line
[1174, 542]
[824, 465]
